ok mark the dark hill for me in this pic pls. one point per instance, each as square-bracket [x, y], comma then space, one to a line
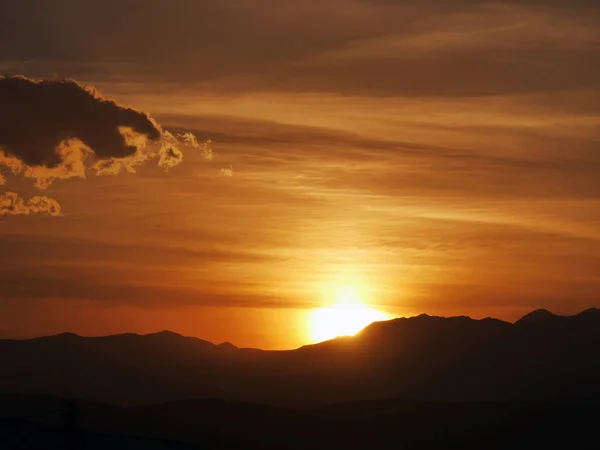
[540, 357]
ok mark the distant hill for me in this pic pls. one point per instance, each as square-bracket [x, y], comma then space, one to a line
[540, 357]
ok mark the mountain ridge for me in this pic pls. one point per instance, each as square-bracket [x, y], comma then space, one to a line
[423, 357]
[536, 315]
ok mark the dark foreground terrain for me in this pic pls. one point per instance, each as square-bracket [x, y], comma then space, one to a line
[37, 422]
[466, 384]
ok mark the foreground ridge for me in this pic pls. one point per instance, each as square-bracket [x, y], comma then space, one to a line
[542, 356]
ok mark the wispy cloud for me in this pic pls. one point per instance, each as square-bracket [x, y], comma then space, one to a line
[227, 171]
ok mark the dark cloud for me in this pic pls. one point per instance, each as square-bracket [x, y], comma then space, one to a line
[51, 129]
[37, 116]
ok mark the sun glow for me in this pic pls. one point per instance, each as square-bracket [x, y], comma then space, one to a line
[346, 317]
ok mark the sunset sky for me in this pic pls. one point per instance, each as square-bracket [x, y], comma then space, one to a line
[437, 157]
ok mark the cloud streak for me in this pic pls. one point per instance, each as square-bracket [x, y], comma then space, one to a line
[355, 47]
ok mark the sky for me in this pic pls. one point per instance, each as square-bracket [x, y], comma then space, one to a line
[221, 168]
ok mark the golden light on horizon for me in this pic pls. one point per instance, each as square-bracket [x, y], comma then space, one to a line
[346, 317]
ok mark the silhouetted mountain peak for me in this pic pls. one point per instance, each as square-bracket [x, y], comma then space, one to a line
[166, 333]
[536, 317]
[227, 345]
[68, 335]
[437, 319]
[592, 312]
[429, 328]
[62, 337]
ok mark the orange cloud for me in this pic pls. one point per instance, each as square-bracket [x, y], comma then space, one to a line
[12, 203]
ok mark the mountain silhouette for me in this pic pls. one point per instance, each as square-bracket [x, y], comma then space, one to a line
[538, 316]
[540, 357]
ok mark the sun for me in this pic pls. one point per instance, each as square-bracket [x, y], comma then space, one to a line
[346, 317]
